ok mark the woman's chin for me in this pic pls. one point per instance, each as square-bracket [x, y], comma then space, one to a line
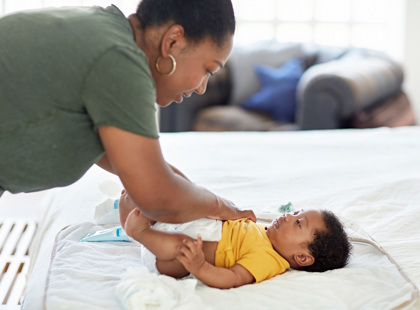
[163, 103]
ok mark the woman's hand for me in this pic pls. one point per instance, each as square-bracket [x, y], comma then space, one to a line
[228, 211]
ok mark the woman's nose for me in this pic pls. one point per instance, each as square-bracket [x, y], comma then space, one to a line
[202, 88]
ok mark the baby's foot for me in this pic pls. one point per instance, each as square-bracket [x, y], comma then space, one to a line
[125, 206]
[136, 224]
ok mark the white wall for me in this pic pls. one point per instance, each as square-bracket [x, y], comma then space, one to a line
[412, 54]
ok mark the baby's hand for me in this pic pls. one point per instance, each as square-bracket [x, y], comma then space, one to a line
[191, 255]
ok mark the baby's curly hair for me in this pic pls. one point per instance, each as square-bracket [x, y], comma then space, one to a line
[330, 248]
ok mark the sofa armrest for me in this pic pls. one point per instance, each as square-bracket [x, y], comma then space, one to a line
[329, 94]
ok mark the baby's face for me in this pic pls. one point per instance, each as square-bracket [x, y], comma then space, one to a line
[292, 232]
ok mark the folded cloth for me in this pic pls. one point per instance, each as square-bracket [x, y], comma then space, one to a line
[107, 212]
[141, 290]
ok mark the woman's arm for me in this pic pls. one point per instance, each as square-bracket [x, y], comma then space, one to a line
[105, 164]
[192, 258]
[177, 171]
[156, 190]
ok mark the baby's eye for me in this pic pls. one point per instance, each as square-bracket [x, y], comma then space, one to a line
[298, 222]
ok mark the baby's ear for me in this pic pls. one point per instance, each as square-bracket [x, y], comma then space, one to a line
[304, 259]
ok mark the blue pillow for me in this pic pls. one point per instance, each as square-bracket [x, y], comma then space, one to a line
[277, 96]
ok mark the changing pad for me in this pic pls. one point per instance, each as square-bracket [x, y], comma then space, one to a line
[370, 281]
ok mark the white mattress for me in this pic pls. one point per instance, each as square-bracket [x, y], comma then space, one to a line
[370, 178]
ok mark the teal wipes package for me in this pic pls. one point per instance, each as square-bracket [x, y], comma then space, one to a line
[107, 235]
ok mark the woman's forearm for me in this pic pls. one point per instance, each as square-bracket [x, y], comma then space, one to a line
[182, 201]
[161, 193]
[178, 172]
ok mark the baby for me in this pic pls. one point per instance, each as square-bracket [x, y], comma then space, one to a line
[247, 252]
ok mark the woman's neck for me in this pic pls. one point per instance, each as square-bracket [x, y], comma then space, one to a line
[138, 33]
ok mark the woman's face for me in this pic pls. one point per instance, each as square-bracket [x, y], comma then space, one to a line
[194, 66]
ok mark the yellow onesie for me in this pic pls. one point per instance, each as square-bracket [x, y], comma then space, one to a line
[246, 243]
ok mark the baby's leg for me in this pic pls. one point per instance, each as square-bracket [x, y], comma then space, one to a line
[172, 268]
[175, 269]
[163, 245]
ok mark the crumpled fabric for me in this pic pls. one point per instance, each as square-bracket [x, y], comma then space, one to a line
[140, 289]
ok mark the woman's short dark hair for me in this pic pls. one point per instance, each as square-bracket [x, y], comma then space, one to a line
[331, 247]
[201, 19]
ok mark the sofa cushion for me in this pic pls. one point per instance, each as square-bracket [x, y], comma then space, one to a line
[234, 118]
[231, 118]
[277, 96]
[244, 59]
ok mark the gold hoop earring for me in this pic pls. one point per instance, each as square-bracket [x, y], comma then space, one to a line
[173, 65]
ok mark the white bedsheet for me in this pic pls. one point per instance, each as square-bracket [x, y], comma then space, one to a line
[370, 176]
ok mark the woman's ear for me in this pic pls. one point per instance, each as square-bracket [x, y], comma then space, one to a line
[173, 38]
[304, 259]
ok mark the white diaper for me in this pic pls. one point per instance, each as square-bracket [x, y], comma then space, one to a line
[210, 230]
[107, 213]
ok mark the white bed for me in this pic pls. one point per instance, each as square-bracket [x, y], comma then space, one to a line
[370, 178]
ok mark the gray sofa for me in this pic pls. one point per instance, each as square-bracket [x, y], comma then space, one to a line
[339, 88]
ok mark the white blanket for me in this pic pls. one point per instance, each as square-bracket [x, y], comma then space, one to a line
[369, 176]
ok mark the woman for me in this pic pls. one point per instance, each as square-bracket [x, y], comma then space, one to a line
[78, 87]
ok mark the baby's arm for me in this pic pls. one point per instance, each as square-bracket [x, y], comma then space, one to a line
[192, 257]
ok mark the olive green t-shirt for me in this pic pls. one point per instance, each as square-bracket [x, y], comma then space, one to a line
[64, 72]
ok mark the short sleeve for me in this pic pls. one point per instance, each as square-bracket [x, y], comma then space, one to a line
[263, 263]
[119, 91]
